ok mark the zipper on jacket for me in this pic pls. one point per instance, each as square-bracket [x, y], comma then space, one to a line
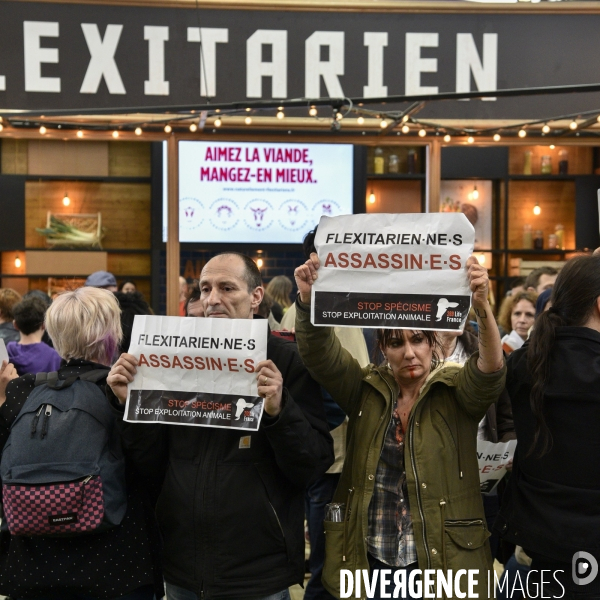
[463, 522]
[443, 515]
[47, 414]
[460, 472]
[35, 420]
[346, 520]
[278, 521]
[419, 501]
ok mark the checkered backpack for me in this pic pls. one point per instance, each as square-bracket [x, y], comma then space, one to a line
[62, 468]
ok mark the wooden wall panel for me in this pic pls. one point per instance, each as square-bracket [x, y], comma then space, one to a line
[14, 156]
[129, 159]
[394, 196]
[8, 263]
[580, 159]
[129, 264]
[125, 210]
[557, 201]
[70, 158]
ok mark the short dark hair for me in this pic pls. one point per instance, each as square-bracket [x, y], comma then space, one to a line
[251, 272]
[29, 314]
[308, 243]
[533, 279]
[516, 282]
[193, 294]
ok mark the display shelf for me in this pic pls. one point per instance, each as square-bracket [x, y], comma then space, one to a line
[396, 176]
[540, 177]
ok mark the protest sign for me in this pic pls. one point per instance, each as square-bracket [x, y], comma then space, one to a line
[196, 371]
[404, 271]
[493, 459]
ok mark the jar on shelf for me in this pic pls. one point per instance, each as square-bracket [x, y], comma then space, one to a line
[559, 231]
[378, 162]
[546, 166]
[563, 162]
[538, 240]
[552, 241]
[527, 237]
[412, 161]
[393, 164]
[527, 163]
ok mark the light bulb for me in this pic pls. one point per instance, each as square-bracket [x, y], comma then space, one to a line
[475, 194]
[470, 139]
[447, 138]
[339, 116]
[537, 210]
[372, 197]
[248, 109]
[383, 124]
[481, 259]
[66, 199]
[552, 146]
[360, 120]
[405, 118]
[313, 111]
[18, 262]
[422, 133]
[546, 128]
[115, 134]
[168, 128]
[259, 263]
[405, 128]
[573, 125]
[280, 114]
[496, 137]
[248, 120]
[138, 131]
[522, 133]
[43, 130]
[217, 122]
[79, 133]
[193, 127]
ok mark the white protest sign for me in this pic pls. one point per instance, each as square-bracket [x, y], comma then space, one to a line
[3, 352]
[196, 371]
[493, 459]
[403, 271]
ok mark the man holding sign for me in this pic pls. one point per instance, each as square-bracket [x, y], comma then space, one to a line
[231, 507]
[409, 490]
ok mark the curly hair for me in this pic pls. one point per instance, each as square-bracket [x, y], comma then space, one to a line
[508, 305]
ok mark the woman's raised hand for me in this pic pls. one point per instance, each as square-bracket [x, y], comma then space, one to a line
[306, 275]
[478, 281]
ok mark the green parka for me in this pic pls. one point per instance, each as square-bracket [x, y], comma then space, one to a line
[440, 457]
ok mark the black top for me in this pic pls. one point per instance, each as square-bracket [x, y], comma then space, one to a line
[552, 504]
[104, 565]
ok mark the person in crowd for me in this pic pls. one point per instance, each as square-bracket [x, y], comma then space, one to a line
[231, 508]
[45, 298]
[183, 294]
[540, 279]
[497, 424]
[419, 508]
[9, 298]
[30, 354]
[128, 287]
[121, 563]
[131, 304]
[103, 280]
[193, 305]
[516, 318]
[516, 285]
[552, 504]
[280, 288]
[543, 302]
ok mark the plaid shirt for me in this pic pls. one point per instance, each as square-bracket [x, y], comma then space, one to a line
[391, 538]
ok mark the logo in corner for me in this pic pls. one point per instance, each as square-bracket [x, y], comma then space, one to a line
[585, 568]
[442, 306]
[240, 407]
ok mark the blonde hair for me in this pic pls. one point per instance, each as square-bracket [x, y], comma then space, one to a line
[9, 298]
[508, 305]
[279, 289]
[85, 324]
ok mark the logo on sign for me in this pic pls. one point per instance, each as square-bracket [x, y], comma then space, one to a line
[442, 307]
[327, 208]
[224, 214]
[293, 215]
[191, 213]
[259, 215]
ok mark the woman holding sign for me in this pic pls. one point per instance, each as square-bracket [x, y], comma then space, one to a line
[409, 492]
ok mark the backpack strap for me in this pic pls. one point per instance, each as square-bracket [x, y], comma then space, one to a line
[53, 382]
[95, 376]
[49, 378]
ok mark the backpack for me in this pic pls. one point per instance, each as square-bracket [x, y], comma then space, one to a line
[62, 468]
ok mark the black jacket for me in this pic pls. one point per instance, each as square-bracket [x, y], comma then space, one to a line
[552, 504]
[231, 513]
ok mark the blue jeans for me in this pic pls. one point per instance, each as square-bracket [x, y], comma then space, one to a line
[317, 496]
[377, 565]
[174, 592]
[143, 593]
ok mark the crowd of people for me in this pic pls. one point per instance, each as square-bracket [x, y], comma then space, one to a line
[374, 453]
